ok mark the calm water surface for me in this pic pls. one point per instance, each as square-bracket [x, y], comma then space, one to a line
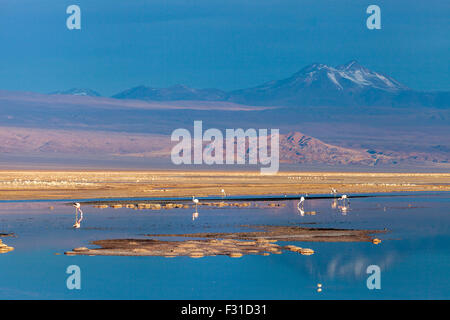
[414, 255]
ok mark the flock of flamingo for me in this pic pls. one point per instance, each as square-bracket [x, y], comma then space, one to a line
[344, 207]
[300, 206]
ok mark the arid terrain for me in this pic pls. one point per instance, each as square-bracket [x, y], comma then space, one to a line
[78, 146]
[16, 185]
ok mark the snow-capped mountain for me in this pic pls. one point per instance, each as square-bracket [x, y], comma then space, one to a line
[320, 84]
[79, 92]
[348, 76]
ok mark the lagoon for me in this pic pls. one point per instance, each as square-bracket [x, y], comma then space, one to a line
[414, 255]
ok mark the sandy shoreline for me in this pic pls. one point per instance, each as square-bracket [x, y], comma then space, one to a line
[40, 184]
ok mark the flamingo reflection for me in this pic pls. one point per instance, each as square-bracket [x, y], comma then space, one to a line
[77, 206]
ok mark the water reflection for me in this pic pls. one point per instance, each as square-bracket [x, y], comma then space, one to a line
[343, 209]
[351, 265]
[334, 204]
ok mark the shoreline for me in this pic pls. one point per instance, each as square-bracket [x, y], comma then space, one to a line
[43, 185]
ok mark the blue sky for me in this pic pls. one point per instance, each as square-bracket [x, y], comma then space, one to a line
[226, 44]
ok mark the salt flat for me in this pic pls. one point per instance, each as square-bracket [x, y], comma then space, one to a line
[40, 184]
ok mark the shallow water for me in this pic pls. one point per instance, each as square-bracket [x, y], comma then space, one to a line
[414, 255]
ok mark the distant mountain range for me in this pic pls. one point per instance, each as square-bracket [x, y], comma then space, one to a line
[350, 84]
[351, 116]
[174, 93]
[295, 148]
[79, 92]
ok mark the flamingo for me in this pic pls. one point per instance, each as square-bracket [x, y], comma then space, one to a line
[300, 206]
[333, 191]
[77, 206]
[224, 194]
[195, 214]
[346, 203]
[195, 201]
[344, 198]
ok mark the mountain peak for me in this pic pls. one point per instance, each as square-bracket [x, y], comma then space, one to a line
[313, 67]
[349, 76]
[352, 65]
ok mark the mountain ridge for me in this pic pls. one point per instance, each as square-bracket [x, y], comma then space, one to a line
[317, 84]
[173, 93]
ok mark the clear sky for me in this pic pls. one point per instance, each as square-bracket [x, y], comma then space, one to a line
[227, 44]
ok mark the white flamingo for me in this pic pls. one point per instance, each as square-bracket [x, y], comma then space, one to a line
[300, 206]
[346, 204]
[333, 191]
[344, 198]
[195, 201]
[224, 194]
[195, 214]
[77, 206]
